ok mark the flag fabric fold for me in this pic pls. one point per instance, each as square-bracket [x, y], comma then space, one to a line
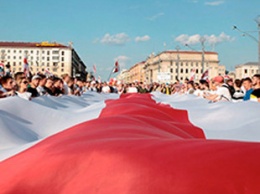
[136, 143]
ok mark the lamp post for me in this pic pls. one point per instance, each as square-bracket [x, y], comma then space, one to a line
[178, 60]
[202, 40]
[257, 19]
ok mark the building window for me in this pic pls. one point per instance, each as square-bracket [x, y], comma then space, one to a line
[245, 70]
[14, 51]
[20, 63]
[48, 64]
[62, 53]
[171, 70]
[176, 71]
[31, 51]
[181, 78]
[55, 52]
[181, 70]
[62, 70]
[62, 65]
[20, 51]
[14, 57]
[55, 58]
[187, 70]
[48, 52]
[42, 51]
[197, 71]
[48, 58]
[14, 64]
[62, 58]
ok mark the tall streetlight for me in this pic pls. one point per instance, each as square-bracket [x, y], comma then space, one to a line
[178, 60]
[202, 41]
[257, 19]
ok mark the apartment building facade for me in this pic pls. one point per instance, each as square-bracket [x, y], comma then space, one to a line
[246, 70]
[41, 57]
[170, 66]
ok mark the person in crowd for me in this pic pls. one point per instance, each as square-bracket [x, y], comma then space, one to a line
[105, 88]
[7, 86]
[238, 94]
[58, 86]
[48, 87]
[131, 88]
[92, 86]
[65, 78]
[247, 84]
[78, 87]
[32, 88]
[71, 86]
[18, 76]
[40, 88]
[222, 93]
[255, 95]
[142, 88]
[22, 92]
[230, 85]
[190, 87]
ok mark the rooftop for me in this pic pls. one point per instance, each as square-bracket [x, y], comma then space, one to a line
[32, 44]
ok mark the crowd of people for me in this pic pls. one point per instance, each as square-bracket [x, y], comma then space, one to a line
[216, 89]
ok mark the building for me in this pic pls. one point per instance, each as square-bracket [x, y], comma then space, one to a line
[41, 57]
[168, 66]
[137, 73]
[246, 70]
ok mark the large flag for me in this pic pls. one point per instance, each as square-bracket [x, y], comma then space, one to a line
[162, 144]
[26, 68]
[116, 67]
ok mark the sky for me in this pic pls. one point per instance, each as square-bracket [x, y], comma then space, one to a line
[128, 31]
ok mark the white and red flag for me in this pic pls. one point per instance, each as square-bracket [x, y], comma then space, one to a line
[192, 74]
[133, 143]
[94, 68]
[116, 67]
[205, 75]
[26, 68]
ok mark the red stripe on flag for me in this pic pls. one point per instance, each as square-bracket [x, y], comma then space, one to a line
[135, 146]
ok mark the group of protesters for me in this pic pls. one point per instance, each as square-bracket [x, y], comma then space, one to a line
[217, 89]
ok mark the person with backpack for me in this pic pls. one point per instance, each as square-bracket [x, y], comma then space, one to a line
[222, 93]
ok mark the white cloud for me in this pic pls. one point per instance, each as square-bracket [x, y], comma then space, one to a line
[154, 17]
[117, 39]
[214, 3]
[142, 38]
[211, 40]
[122, 61]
